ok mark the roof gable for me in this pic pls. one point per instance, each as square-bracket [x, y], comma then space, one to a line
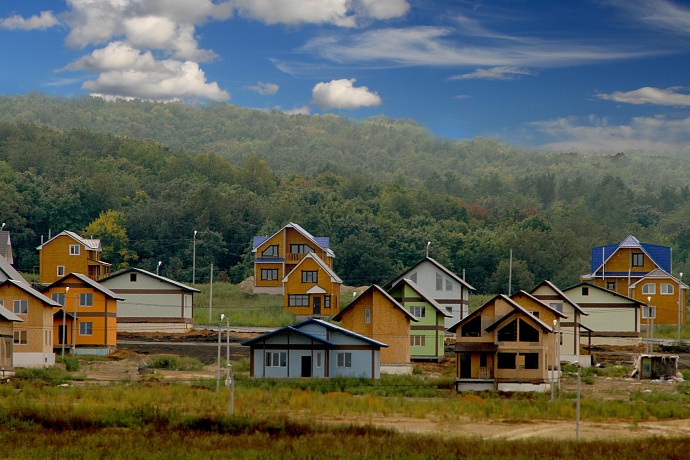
[322, 242]
[436, 264]
[660, 255]
[602, 290]
[88, 281]
[162, 279]
[370, 291]
[549, 285]
[658, 273]
[296, 328]
[322, 265]
[91, 244]
[425, 297]
[26, 287]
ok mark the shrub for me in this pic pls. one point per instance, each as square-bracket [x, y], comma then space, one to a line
[175, 363]
[71, 363]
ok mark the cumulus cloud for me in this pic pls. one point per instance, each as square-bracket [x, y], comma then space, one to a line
[493, 73]
[343, 13]
[648, 95]
[43, 21]
[341, 94]
[265, 89]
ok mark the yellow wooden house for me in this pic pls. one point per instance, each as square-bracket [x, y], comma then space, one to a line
[642, 272]
[7, 321]
[68, 252]
[312, 288]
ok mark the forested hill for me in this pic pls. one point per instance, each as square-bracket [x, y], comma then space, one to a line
[380, 188]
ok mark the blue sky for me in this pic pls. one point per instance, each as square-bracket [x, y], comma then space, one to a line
[608, 75]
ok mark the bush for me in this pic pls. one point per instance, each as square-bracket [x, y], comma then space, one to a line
[71, 363]
[175, 363]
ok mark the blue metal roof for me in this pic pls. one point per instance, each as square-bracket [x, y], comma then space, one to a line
[660, 255]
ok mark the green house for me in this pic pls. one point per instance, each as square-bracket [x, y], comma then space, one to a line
[428, 334]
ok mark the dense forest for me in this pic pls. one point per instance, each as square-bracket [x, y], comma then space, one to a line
[143, 176]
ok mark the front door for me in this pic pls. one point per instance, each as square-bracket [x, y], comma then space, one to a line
[465, 366]
[62, 334]
[306, 366]
[317, 305]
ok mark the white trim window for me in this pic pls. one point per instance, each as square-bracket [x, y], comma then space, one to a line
[418, 311]
[649, 288]
[20, 307]
[344, 359]
[318, 360]
[59, 297]
[276, 359]
[86, 328]
[74, 249]
[21, 337]
[648, 312]
[558, 306]
[666, 288]
[367, 316]
[417, 340]
[86, 299]
[60, 270]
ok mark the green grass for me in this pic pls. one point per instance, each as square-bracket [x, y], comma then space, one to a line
[670, 331]
[175, 363]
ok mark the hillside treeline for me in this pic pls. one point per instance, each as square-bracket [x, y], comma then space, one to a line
[143, 176]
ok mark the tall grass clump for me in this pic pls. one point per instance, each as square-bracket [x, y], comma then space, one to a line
[174, 363]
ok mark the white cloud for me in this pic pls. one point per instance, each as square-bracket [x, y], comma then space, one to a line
[598, 134]
[305, 110]
[657, 14]
[43, 21]
[115, 56]
[493, 73]
[341, 94]
[649, 95]
[343, 13]
[265, 89]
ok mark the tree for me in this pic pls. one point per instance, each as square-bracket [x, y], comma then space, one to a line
[110, 228]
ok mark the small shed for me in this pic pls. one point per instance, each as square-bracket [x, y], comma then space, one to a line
[655, 367]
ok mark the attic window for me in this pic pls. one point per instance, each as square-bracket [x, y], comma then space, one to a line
[449, 285]
[473, 328]
[271, 251]
[528, 333]
[585, 291]
[439, 282]
[638, 259]
[133, 277]
[508, 333]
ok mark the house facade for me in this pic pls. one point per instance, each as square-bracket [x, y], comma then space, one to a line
[643, 272]
[278, 254]
[68, 252]
[151, 303]
[505, 346]
[312, 288]
[427, 335]
[377, 315]
[7, 322]
[33, 336]
[446, 288]
[314, 348]
[85, 315]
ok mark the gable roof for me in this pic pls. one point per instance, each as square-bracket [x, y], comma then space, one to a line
[660, 255]
[88, 281]
[321, 263]
[91, 244]
[9, 271]
[560, 294]
[377, 288]
[613, 293]
[8, 315]
[321, 241]
[544, 304]
[6, 245]
[426, 297]
[517, 307]
[26, 287]
[437, 265]
[659, 274]
[331, 327]
[163, 279]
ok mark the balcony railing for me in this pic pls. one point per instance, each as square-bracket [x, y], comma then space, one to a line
[484, 372]
[295, 256]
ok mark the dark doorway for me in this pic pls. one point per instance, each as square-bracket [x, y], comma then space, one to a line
[465, 366]
[317, 305]
[62, 334]
[306, 366]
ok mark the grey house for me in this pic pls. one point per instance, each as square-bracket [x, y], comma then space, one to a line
[314, 348]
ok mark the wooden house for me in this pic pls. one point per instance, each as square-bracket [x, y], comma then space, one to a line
[7, 321]
[643, 272]
[504, 346]
[151, 303]
[314, 348]
[571, 327]
[85, 317]
[278, 254]
[312, 288]
[68, 252]
[377, 315]
[445, 287]
[8, 272]
[33, 337]
[427, 335]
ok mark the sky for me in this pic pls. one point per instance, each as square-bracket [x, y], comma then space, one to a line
[567, 75]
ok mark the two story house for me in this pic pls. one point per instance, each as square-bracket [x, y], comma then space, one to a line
[68, 252]
[643, 272]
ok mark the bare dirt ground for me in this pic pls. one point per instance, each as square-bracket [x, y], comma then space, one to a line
[123, 366]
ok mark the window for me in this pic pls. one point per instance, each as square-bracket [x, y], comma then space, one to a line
[508, 333]
[666, 288]
[505, 360]
[269, 274]
[367, 316]
[611, 285]
[649, 312]
[439, 282]
[649, 288]
[61, 270]
[21, 337]
[300, 248]
[585, 291]
[637, 259]
[558, 306]
[449, 285]
[535, 314]
[417, 340]
[449, 309]
[298, 300]
[473, 328]
[86, 328]
[327, 301]
[86, 299]
[276, 359]
[21, 307]
[59, 297]
[132, 277]
[271, 251]
[318, 359]
[528, 333]
[344, 359]
[529, 360]
[418, 312]
[74, 249]
[310, 276]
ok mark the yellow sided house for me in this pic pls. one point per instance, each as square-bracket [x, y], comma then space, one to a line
[312, 288]
[377, 315]
[643, 272]
[85, 317]
[278, 254]
[68, 252]
[504, 346]
[7, 321]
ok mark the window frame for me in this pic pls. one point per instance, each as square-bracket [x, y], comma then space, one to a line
[439, 281]
[417, 340]
[304, 298]
[267, 274]
[74, 249]
[23, 307]
[86, 328]
[667, 286]
[20, 337]
[649, 289]
[310, 276]
[416, 309]
[367, 316]
[273, 250]
[132, 277]
[637, 259]
[59, 297]
[272, 356]
[645, 311]
[86, 299]
[60, 270]
[301, 248]
[344, 360]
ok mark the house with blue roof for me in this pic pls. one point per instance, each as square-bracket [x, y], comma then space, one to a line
[314, 348]
[313, 289]
[643, 272]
